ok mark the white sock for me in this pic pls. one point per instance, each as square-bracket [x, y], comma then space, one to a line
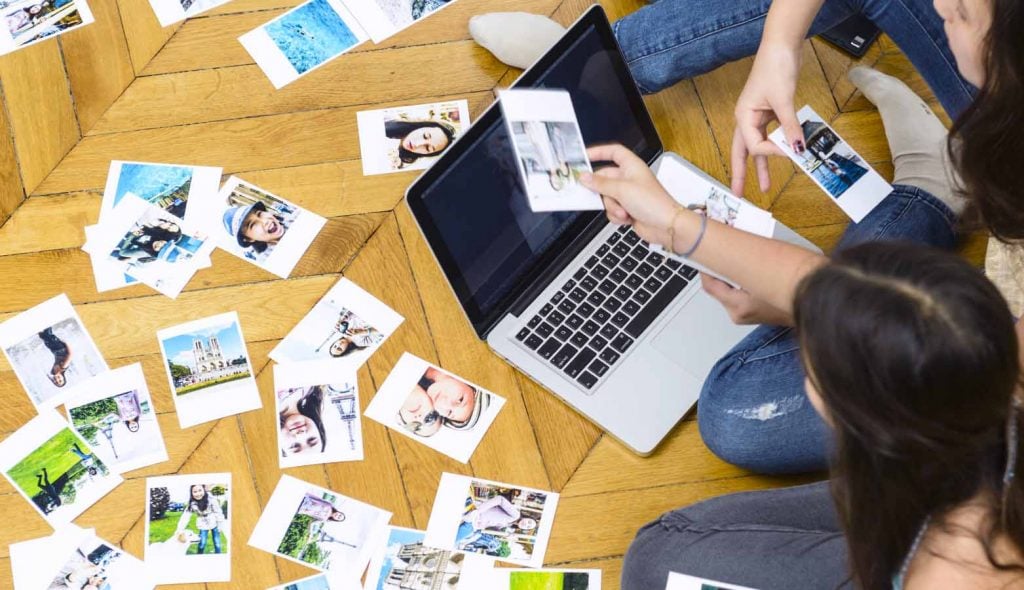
[917, 138]
[517, 39]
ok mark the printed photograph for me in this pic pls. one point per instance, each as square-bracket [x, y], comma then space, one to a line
[318, 414]
[96, 565]
[435, 407]
[834, 166]
[678, 581]
[169, 12]
[29, 21]
[167, 186]
[55, 469]
[115, 415]
[50, 351]
[347, 324]
[384, 18]
[405, 563]
[319, 528]
[317, 582]
[499, 521]
[188, 527]
[409, 138]
[208, 368]
[553, 580]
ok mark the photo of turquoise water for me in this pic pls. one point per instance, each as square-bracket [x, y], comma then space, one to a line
[311, 34]
[152, 181]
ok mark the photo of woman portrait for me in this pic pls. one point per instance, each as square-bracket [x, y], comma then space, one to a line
[255, 222]
[34, 20]
[209, 515]
[409, 138]
[419, 139]
[439, 400]
[317, 423]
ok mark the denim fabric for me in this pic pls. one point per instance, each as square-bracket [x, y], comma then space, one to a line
[672, 40]
[203, 533]
[770, 540]
[753, 411]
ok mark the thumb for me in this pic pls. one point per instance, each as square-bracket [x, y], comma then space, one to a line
[608, 184]
[791, 127]
[717, 288]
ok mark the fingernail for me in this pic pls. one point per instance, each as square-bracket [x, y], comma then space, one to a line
[586, 176]
[798, 146]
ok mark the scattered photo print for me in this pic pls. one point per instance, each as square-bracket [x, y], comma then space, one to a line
[699, 194]
[188, 528]
[319, 528]
[384, 18]
[684, 582]
[50, 351]
[29, 21]
[500, 521]
[322, 582]
[166, 186]
[403, 561]
[317, 414]
[208, 369]
[511, 579]
[114, 413]
[257, 226]
[74, 558]
[549, 148]
[169, 12]
[54, 468]
[434, 407]
[347, 324]
[409, 138]
[834, 166]
[303, 39]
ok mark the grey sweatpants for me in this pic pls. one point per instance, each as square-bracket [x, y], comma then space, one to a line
[770, 540]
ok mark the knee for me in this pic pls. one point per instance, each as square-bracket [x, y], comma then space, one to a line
[651, 556]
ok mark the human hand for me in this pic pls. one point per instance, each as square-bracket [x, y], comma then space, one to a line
[767, 96]
[744, 308]
[631, 193]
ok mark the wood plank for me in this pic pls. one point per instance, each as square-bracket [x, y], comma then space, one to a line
[509, 451]
[43, 130]
[98, 64]
[142, 31]
[12, 193]
[835, 62]
[275, 141]
[213, 95]
[37, 276]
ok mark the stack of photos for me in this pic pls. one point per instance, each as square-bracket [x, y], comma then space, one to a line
[409, 138]
[404, 562]
[691, 190]
[549, 149]
[347, 324]
[834, 166]
[188, 528]
[317, 414]
[427, 404]
[30, 21]
[169, 12]
[384, 18]
[114, 413]
[319, 528]
[76, 559]
[54, 468]
[501, 521]
[257, 226]
[208, 369]
[303, 39]
[50, 351]
[150, 245]
[320, 582]
[518, 579]
[684, 582]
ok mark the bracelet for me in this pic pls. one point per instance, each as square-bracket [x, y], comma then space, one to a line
[696, 243]
[672, 229]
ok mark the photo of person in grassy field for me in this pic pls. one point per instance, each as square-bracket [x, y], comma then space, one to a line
[549, 581]
[54, 474]
[189, 520]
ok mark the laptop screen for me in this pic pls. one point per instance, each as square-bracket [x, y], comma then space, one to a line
[471, 204]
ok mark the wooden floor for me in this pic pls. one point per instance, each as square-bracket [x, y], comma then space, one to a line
[125, 89]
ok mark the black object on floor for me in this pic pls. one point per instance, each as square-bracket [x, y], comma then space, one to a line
[854, 35]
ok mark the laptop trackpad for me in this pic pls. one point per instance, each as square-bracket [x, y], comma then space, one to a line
[699, 334]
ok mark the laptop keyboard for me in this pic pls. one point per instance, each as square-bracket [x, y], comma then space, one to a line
[611, 299]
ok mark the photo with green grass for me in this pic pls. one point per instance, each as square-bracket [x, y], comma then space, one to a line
[166, 524]
[52, 474]
[549, 581]
[205, 358]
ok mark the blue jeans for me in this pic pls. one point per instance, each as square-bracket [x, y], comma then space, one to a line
[672, 40]
[753, 411]
[215, 533]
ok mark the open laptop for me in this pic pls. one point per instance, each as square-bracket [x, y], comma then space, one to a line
[583, 307]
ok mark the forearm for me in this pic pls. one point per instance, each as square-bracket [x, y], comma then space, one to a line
[788, 21]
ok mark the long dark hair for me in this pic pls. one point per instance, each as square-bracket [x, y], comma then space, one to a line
[986, 143]
[399, 129]
[311, 406]
[915, 357]
[202, 503]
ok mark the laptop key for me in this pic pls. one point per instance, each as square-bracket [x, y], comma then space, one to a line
[579, 340]
[590, 262]
[622, 343]
[689, 272]
[534, 322]
[657, 304]
[602, 250]
[523, 334]
[598, 343]
[618, 275]
[546, 309]
[610, 260]
[615, 237]
[568, 285]
[563, 333]
[607, 286]
[634, 282]
[558, 296]
[652, 284]
[533, 341]
[663, 273]
[655, 258]
[587, 380]
[612, 304]
[631, 307]
[556, 318]
[549, 348]
[563, 356]
[577, 294]
[590, 328]
[579, 274]
[566, 306]
[640, 251]
[628, 263]
[595, 298]
[609, 331]
[574, 321]
[545, 330]
[623, 293]
[607, 355]
[631, 238]
[598, 368]
[673, 263]
[599, 272]
[601, 316]
[580, 362]
[588, 283]
[621, 249]
[620, 319]
[622, 229]
[585, 309]
[644, 270]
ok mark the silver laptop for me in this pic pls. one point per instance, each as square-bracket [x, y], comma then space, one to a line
[622, 334]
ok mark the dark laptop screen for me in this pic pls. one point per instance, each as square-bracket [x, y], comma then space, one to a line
[471, 205]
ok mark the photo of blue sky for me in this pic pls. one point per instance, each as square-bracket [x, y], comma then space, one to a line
[311, 34]
[179, 348]
[395, 542]
[150, 181]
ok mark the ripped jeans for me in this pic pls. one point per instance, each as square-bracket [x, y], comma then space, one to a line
[753, 411]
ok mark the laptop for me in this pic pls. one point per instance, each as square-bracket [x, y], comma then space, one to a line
[622, 334]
